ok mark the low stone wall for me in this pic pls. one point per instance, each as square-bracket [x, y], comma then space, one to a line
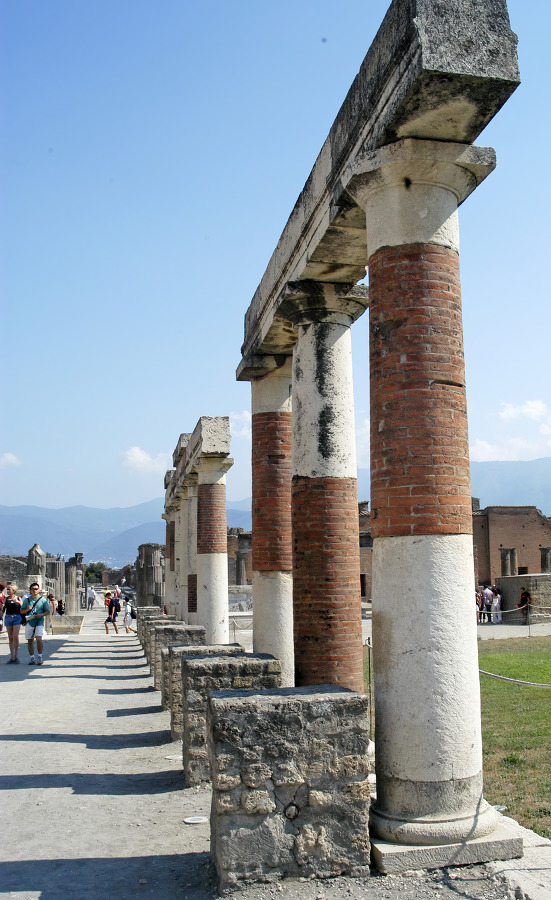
[142, 612]
[163, 636]
[204, 674]
[539, 587]
[148, 633]
[240, 597]
[290, 789]
[66, 624]
[172, 686]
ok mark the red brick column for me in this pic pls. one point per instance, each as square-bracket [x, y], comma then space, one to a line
[420, 482]
[271, 536]
[212, 548]
[427, 696]
[326, 554]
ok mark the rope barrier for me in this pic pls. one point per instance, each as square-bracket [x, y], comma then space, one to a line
[514, 680]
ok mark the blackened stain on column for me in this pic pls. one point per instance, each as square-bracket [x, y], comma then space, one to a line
[326, 420]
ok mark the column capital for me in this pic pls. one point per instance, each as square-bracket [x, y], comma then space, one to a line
[321, 301]
[410, 190]
[212, 469]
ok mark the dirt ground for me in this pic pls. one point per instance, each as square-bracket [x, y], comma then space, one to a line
[93, 801]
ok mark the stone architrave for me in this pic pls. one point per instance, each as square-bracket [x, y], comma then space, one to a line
[384, 193]
[201, 461]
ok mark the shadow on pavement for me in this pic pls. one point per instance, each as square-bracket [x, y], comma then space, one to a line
[189, 875]
[100, 783]
[97, 741]
[134, 711]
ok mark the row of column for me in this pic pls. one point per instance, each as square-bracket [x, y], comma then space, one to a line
[305, 515]
[197, 561]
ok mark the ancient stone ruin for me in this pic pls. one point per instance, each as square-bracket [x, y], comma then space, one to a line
[289, 763]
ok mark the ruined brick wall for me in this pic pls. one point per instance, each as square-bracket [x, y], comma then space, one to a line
[523, 527]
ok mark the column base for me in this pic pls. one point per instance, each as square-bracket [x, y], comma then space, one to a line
[394, 859]
[433, 830]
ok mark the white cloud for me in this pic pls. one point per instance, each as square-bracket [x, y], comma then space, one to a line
[240, 424]
[519, 432]
[138, 460]
[9, 459]
[531, 409]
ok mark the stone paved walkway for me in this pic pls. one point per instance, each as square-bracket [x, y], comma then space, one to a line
[93, 803]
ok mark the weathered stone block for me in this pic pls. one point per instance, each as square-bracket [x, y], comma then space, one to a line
[284, 802]
[174, 689]
[172, 633]
[204, 674]
[142, 612]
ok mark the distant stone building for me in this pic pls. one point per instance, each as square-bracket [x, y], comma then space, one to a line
[510, 540]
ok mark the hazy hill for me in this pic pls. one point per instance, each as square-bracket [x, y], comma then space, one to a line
[113, 535]
[110, 535]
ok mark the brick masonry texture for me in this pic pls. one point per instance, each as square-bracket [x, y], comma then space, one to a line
[212, 532]
[290, 789]
[271, 483]
[326, 582]
[216, 673]
[420, 481]
[173, 689]
[192, 593]
[523, 527]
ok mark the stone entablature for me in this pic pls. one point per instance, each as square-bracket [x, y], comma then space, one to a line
[290, 784]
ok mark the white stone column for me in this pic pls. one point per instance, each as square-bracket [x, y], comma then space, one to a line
[271, 533]
[170, 570]
[180, 544]
[212, 548]
[326, 544]
[428, 735]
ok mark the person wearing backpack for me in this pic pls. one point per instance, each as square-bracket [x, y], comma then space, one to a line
[35, 607]
[112, 610]
[128, 616]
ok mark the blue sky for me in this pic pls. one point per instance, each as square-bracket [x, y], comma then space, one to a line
[151, 153]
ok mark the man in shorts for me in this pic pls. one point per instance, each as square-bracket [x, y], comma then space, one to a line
[35, 606]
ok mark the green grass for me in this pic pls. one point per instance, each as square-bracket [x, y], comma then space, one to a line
[516, 728]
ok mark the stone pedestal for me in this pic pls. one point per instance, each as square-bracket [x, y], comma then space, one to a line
[204, 674]
[163, 636]
[172, 687]
[290, 789]
[142, 614]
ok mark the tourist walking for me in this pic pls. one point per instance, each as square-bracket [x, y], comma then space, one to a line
[524, 604]
[12, 620]
[35, 607]
[112, 609]
[2, 589]
[91, 597]
[128, 616]
[53, 604]
[488, 596]
[496, 607]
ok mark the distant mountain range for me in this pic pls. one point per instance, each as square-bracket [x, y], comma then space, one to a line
[113, 535]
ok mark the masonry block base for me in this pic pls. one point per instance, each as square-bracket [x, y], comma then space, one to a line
[394, 859]
[290, 788]
[172, 678]
[172, 633]
[200, 676]
[66, 624]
